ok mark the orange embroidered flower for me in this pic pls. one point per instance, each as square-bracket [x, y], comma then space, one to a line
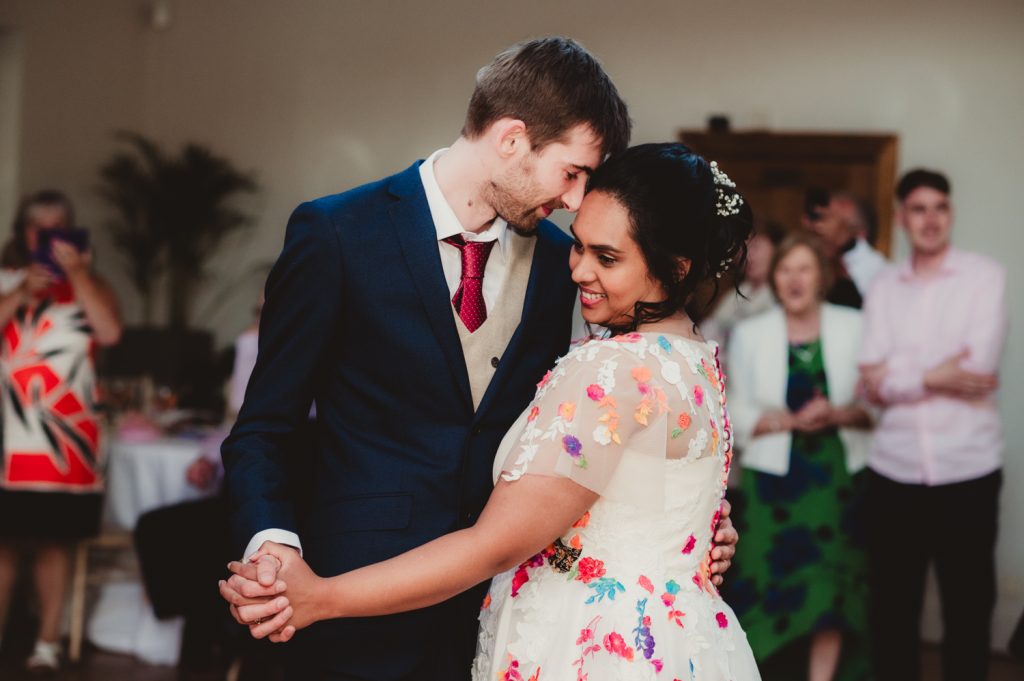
[583, 521]
[567, 410]
[710, 372]
[643, 411]
[533, 414]
[641, 374]
[487, 602]
[646, 584]
[684, 420]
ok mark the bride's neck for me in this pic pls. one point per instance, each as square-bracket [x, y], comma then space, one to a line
[678, 324]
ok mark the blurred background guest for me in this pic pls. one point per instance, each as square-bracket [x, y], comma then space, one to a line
[798, 584]
[860, 259]
[827, 215]
[755, 294]
[53, 313]
[934, 331]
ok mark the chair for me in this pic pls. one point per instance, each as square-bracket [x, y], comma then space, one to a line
[81, 579]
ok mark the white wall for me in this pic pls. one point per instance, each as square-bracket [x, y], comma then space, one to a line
[320, 95]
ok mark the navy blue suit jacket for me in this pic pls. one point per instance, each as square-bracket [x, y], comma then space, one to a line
[358, 318]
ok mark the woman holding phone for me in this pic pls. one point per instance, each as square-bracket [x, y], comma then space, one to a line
[53, 311]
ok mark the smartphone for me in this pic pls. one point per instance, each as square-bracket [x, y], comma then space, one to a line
[43, 255]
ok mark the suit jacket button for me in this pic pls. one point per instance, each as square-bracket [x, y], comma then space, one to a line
[494, 362]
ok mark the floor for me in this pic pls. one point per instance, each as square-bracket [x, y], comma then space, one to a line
[100, 666]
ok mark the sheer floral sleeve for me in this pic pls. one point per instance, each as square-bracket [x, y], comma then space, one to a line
[612, 411]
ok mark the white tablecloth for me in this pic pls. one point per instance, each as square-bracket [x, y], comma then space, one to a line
[141, 476]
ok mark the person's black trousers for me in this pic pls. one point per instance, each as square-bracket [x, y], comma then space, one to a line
[954, 527]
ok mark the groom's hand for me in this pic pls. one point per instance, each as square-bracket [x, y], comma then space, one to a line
[725, 541]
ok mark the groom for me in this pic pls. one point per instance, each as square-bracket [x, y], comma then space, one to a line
[419, 312]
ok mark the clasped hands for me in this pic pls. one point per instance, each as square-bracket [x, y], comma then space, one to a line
[275, 593]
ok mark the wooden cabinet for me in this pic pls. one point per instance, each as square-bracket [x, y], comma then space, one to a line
[774, 170]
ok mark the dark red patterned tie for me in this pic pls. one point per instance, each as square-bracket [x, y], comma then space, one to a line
[469, 298]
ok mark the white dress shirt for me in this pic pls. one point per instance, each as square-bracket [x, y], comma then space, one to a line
[447, 224]
[863, 263]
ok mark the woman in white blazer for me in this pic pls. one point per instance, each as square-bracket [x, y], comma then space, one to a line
[802, 438]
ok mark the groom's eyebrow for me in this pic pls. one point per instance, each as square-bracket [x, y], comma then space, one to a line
[583, 169]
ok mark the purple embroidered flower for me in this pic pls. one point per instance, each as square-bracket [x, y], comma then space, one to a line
[572, 446]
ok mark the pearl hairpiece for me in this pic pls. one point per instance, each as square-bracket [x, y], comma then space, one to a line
[725, 205]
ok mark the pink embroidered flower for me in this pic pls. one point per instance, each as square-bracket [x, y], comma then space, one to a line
[595, 392]
[646, 584]
[641, 374]
[567, 410]
[590, 568]
[544, 381]
[586, 634]
[615, 644]
[644, 388]
[518, 579]
[658, 665]
[723, 621]
[668, 599]
[628, 338]
[533, 414]
[698, 395]
[690, 543]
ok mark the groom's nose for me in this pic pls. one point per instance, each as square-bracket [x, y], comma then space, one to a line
[574, 197]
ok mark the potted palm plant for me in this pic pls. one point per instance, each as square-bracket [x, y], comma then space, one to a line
[171, 214]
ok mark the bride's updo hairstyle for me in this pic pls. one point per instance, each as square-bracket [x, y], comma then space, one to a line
[680, 206]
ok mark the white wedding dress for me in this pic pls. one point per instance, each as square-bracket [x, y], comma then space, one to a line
[625, 593]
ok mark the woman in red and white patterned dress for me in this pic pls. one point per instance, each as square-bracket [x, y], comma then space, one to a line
[50, 469]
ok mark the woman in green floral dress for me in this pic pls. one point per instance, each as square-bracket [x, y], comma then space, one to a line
[799, 582]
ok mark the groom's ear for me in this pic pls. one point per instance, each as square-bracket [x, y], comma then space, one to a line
[510, 138]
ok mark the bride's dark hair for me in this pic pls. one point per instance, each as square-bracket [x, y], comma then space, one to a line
[675, 210]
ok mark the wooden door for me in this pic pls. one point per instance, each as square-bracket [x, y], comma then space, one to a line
[775, 170]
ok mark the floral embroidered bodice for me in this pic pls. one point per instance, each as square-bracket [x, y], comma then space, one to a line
[625, 593]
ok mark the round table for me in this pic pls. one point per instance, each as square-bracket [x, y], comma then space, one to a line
[142, 476]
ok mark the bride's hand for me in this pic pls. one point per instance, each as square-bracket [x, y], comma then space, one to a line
[299, 606]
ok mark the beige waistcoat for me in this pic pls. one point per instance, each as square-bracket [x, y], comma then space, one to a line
[484, 347]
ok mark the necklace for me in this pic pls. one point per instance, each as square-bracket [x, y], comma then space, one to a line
[804, 352]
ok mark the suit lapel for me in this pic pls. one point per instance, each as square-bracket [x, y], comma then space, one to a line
[417, 237]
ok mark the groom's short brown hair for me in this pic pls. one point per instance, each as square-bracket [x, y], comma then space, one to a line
[552, 85]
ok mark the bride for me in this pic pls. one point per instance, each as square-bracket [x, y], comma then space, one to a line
[609, 485]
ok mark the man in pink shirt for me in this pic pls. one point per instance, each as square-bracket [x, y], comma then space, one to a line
[934, 329]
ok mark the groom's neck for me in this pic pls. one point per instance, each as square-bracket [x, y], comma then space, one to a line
[462, 173]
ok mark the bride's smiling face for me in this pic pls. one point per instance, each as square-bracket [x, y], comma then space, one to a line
[607, 264]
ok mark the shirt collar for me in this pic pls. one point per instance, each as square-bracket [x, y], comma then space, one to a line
[951, 264]
[445, 221]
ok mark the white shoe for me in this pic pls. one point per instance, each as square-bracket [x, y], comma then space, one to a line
[45, 658]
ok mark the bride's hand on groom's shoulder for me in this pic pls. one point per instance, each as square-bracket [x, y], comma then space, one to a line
[274, 593]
